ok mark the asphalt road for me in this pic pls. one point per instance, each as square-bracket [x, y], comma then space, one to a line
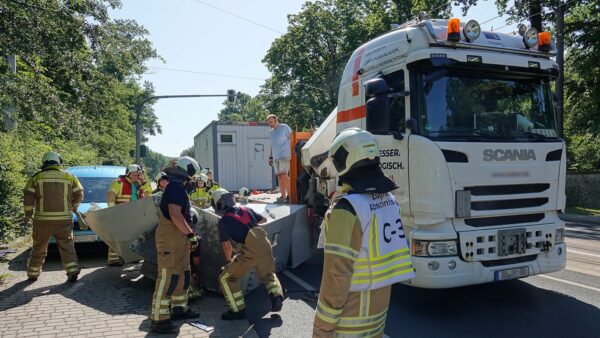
[562, 304]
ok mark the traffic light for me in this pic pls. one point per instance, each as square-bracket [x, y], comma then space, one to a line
[231, 96]
[132, 153]
[143, 150]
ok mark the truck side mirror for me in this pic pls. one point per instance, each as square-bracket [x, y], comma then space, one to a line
[377, 107]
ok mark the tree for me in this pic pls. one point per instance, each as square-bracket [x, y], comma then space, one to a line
[76, 84]
[188, 152]
[245, 109]
[307, 62]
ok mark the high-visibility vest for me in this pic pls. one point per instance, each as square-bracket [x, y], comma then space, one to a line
[200, 197]
[51, 194]
[384, 256]
[123, 189]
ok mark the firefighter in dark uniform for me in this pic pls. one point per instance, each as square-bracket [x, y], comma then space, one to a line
[365, 246]
[240, 224]
[174, 240]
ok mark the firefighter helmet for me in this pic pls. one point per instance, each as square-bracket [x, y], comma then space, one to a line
[161, 176]
[222, 199]
[353, 148]
[244, 192]
[52, 158]
[133, 168]
[188, 165]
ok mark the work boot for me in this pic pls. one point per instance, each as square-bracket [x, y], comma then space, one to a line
[178, 313]
[72, 277]
[162, 326]
[118, 263]
[230, 315]
[276, 302]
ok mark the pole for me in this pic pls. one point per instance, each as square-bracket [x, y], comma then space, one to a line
[138, 112]
[560, 59]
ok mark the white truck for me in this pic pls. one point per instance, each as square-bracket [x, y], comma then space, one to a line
[466, 125]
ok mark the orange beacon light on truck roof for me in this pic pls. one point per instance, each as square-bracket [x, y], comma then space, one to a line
[544, 41]
[454, 29]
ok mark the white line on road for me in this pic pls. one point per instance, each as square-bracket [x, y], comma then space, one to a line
[569, 282]
[582, 253]
[299, 281]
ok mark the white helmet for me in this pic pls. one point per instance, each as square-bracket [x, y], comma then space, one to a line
[204, 171]
[52, 158]
[133, 168]
[244, 191]
[160, 176]
[353, 148]
[188, 165]
[203, 178]
[220, 199]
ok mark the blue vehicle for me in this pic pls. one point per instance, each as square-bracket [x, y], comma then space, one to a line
[95, 181]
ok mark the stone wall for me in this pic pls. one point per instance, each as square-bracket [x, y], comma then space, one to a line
[583, 190]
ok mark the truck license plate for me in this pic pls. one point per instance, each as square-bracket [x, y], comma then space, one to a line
[85, 238]
[511, 273]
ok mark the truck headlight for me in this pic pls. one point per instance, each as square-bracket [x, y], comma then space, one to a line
[559, 236]
[434, 248]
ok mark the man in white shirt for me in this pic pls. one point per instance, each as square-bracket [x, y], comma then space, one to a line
[281, 153]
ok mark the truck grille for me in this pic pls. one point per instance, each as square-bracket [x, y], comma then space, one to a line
[486, 190]
[503, 220]
[509, 204]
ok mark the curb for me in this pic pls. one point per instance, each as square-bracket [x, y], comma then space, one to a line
[580, 218]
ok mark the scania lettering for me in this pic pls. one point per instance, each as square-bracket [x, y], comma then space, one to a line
[466, 124]
[508, 155]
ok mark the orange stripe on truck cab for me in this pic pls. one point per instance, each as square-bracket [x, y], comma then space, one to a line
[351, 114]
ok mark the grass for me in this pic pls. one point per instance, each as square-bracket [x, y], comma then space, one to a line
[4, 277]
[583, 211]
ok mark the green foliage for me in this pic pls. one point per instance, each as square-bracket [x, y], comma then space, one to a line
[75, 89]
[245, 108]
[188, 152]
[155, 162]
[307, 62]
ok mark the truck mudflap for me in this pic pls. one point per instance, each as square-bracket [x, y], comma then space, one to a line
[129, 229]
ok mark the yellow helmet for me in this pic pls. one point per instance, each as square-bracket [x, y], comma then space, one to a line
[353, 148]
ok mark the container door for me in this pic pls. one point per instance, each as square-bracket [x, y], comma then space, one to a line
[260, 173]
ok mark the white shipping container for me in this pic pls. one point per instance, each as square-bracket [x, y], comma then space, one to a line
[238, 153]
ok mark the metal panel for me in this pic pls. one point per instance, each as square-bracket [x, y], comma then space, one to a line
[236, 165]
[203, 146]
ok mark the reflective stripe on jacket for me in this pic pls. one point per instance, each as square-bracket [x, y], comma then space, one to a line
[52, 194]
[122, 187]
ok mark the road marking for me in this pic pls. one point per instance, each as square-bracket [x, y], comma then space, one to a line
[299, 281]
[582, 253]
[569, 282]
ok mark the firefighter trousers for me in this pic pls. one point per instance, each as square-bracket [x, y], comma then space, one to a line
[255, 253]
[363, 315]
[63, 233]
[113, 257]
[174, 275]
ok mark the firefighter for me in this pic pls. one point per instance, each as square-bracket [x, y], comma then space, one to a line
[51, 197]
[240, 224]
[365, 246]
[145, 187]
[174, 241]
[200, 197]
[161, 181]
[211, 184]
[122, 190]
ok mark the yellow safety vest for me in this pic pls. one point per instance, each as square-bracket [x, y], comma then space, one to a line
[384, 256]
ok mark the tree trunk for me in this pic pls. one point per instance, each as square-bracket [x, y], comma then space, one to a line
[560, 59]
[535, 14]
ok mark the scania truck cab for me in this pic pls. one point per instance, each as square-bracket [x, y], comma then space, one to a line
[466, 125]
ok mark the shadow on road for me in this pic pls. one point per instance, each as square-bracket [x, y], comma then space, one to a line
[512, 308]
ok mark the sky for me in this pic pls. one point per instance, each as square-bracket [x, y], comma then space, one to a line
[210, 46]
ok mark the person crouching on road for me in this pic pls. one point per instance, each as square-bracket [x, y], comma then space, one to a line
[200, 197]
[51, 197]
[241, 225]
[122, 190]
[365, 246]
[174, 241]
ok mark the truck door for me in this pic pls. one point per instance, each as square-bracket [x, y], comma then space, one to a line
[394, 148]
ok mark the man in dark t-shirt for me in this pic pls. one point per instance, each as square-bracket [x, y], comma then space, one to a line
[241, 225]
[174, 240]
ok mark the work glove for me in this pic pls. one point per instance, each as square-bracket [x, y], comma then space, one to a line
[193, 241]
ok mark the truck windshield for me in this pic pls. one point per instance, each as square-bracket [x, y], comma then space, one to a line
[95, 188]
[469, 107]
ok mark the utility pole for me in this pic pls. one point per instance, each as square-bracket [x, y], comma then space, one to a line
[231, 97]
[560, 59]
